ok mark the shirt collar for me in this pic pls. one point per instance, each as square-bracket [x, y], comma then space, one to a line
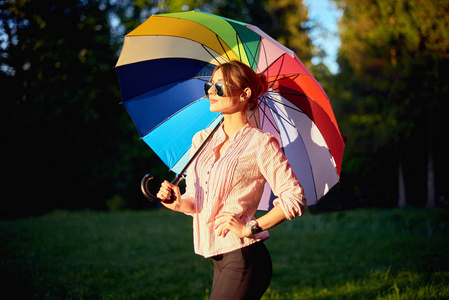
[221, 134]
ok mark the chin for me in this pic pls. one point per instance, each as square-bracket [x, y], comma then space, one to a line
[214, 109]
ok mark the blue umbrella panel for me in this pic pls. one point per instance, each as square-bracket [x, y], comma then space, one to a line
[168, 107]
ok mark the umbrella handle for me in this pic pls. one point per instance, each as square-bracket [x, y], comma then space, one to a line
[146, 192]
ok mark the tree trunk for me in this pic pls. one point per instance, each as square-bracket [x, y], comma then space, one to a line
[430, 164]
[430, 178]
[402, 201]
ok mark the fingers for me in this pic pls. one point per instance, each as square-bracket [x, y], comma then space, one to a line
[221, 226]
[228, 222]
[223, 218]
[165, 192]
[223, 230]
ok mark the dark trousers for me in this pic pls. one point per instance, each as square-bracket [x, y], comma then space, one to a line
[242, 274]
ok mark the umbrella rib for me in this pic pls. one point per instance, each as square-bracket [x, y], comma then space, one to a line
[238, 39]
[279, 102]
[266, 58]
[293, 93]
[222, 47]
[278, 114]
[277, 76]
[255, 118]
[254, 56]
[238, 44]
[268, 68]
[213, 56]
[286, 105]
[293, 75]
[265, 114]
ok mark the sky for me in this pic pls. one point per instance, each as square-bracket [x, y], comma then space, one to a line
[326, 14]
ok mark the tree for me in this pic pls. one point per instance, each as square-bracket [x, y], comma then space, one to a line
[62, 106]
[394, 56]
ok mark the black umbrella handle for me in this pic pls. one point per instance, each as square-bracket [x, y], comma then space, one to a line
[146, 192]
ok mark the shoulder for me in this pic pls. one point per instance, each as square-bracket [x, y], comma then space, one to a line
[262, 137]
[265, 145]
[201, 135]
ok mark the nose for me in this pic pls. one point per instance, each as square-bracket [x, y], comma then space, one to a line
[214, 89]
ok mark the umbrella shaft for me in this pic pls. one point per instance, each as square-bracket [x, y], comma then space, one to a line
[177, 179]
[181, 174]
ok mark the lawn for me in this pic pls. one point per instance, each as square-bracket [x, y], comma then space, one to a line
[358, 254]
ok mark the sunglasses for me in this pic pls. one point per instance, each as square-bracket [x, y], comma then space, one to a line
[218, 86]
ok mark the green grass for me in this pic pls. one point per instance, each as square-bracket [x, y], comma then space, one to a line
[361, 254]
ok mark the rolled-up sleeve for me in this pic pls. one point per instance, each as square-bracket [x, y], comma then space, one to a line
[276, 169]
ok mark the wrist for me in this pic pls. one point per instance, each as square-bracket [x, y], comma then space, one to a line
[247, 232]
[253, 227]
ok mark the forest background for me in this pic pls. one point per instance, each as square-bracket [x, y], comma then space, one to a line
[69, 144]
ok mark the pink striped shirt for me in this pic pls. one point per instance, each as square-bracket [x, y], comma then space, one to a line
[235, 182]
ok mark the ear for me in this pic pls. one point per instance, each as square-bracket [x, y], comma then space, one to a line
[246, 94]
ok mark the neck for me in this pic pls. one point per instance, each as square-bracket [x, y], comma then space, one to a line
[234, 122]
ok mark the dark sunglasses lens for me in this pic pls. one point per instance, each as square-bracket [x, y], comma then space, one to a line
[218, 87]
[207, 87]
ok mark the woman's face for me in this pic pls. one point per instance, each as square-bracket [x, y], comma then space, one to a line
[227, 104]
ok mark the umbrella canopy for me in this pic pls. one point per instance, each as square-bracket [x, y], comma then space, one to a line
[162, 69]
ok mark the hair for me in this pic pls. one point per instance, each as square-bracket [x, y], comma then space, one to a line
[237, 74]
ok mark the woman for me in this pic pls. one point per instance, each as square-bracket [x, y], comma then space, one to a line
[225, 183]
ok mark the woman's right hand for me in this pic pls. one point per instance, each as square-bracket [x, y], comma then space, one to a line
[168, 192]
[171, 196]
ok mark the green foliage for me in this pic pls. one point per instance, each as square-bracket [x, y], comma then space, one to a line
[66, 126]
[390, 93]
[361, 254]
[388, 32]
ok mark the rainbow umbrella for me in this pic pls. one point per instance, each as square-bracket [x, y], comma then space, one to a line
[162, 69]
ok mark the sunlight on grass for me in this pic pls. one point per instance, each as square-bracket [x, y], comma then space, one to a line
[363, 254]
